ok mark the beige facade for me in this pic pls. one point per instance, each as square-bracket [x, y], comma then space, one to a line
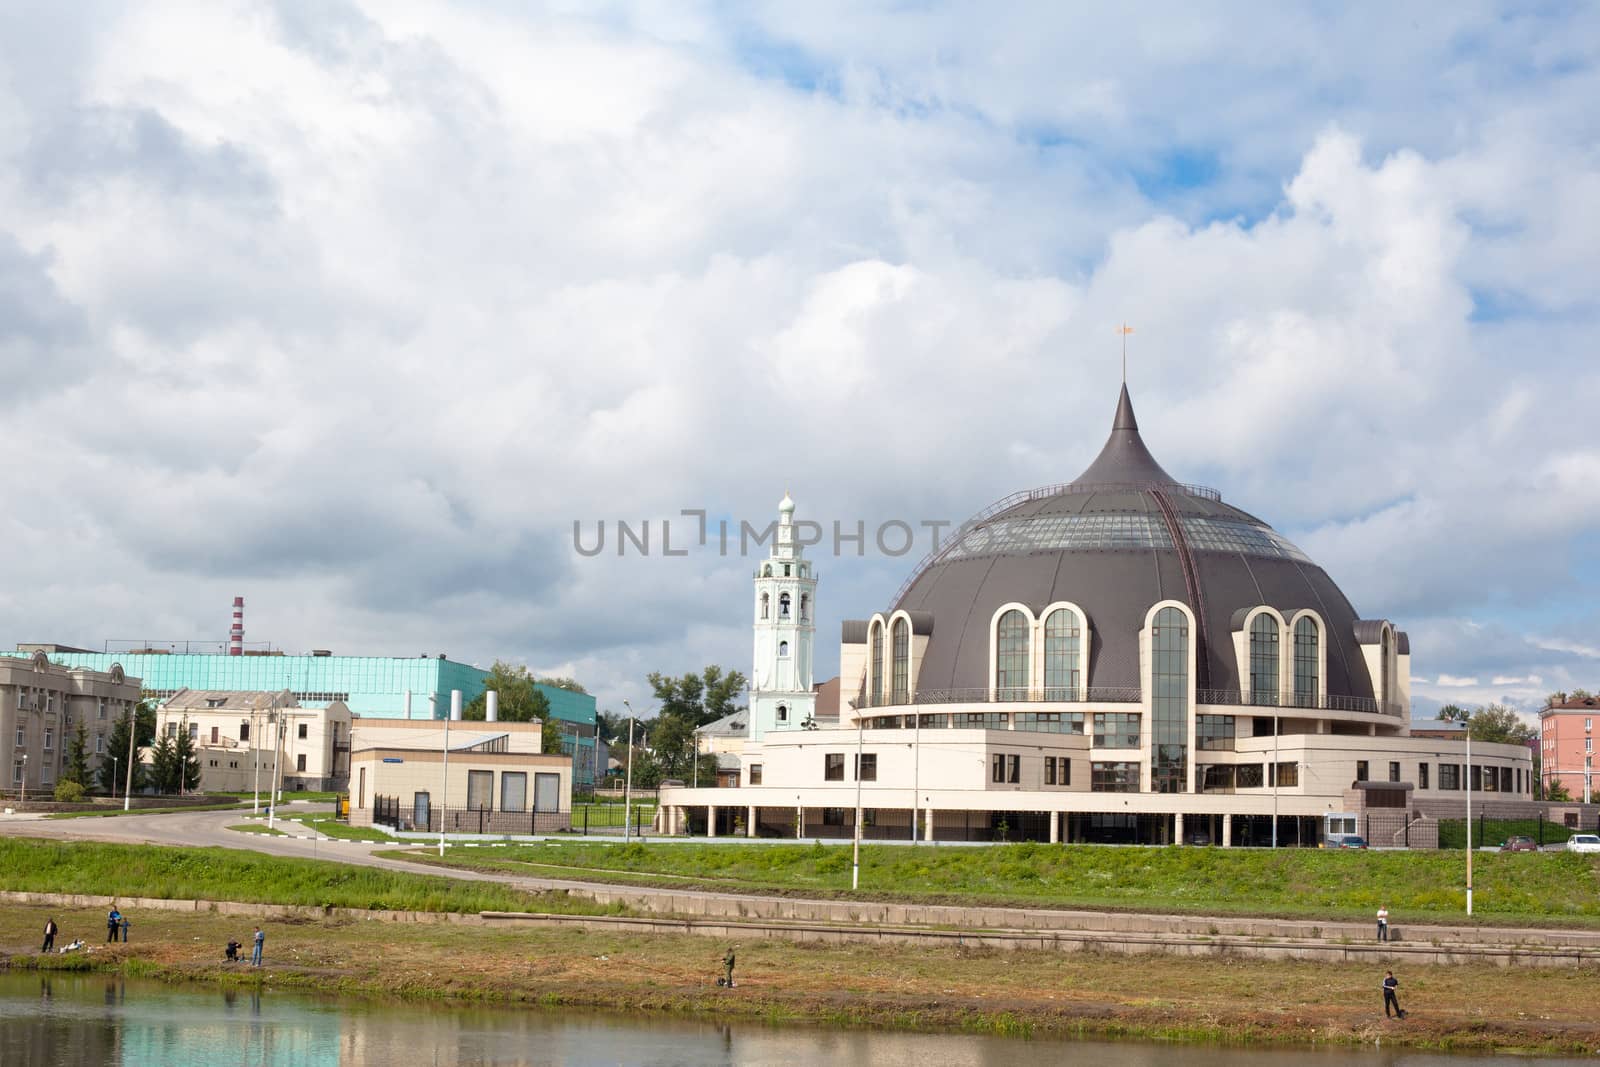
[42, 705]
[496, 781]
[241, 737]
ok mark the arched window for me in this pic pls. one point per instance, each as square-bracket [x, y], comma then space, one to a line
[1264, 660]
[783, 713]
[805, 606]
[1306, 662]
[900, 638]
[766, 570]
[1169, 702]
[875, 665]
[1061, 646]
[783, 605]
[766, 604]
[783, 650]
[1012, 666]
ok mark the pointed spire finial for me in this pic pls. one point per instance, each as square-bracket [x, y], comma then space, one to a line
[1124, 330]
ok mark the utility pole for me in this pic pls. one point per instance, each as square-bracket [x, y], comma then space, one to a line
[133, 733]
[1275, 723]
[1468, 721]
[855, 860]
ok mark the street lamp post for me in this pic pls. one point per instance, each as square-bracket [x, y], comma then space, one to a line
[1275, 732]
[133, 733]
[114, 762]
[627, 782]
[1469, 815]
[24, 798]
[855, 859]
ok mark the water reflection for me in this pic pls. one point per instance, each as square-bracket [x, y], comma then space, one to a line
[99, 1022]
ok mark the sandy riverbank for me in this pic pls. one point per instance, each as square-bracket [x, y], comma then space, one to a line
[1458, 1007]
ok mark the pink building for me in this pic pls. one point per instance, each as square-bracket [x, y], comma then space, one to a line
[1566, 745]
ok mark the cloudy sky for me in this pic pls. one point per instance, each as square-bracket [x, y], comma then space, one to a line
[353, 309]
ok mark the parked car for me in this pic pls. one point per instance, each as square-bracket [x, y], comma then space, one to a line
[1583, 843]
[1344, 841]
[1520, 844]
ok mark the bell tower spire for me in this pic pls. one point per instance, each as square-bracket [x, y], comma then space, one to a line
[781, 696]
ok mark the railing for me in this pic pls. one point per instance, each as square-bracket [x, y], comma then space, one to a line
[1008, 695]
[388, 811]
[1323, 702]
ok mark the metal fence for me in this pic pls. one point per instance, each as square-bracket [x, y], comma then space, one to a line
[389, 811]
[1489, 832]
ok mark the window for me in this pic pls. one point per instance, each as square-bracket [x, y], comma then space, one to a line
[300, 763]
[480, 789]
[244, 731]
[1394, 771]
[1306, 663]
[1249, 776]
[979, 720]
[1116, 729]
[783, 650]
[216, 732]
[16, 773]
[1061, 646]
[1449, 776]
[875, 665]
[102, 709]
[786, 567]
[766, 604]
[805, 607]
[1288, 774]
[783, 713]
[1361, 770]
[172, 729]
[1057, 770]
[194, 731]
[49, 739]
[99, 744]
[1011, 664]
[1169, 702]
[900, 677]
[20, 742]
[755, 774]
[1005, 768]
[783, 605]
[867, 769]
[1264, 660]
[1114, 777]
[1422, 776]
[833, 766]
[1588, 744]
[301, 732]
[513, 790]
[1051, 722]
[1214, 733]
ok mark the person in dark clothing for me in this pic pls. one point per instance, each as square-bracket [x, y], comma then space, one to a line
[113, 923]
[125, 925]
[232, 952]
[1390, 1000]
[49, 935]
[727, 966]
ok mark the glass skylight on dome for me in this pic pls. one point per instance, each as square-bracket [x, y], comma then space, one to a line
[1019, 536]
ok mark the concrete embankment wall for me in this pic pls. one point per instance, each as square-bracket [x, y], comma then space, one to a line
[1170, 940]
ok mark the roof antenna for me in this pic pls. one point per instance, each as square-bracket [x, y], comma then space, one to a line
[1124, 330]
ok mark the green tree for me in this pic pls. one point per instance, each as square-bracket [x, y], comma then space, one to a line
[551, 737]
[112, 773]
[699, 698]
[1498, 724]
[571, 685]
[519, 700]
[164, 769]
[187, 759]
[1452, 713]
[1557, 790]
[610, 726]
[78, 758]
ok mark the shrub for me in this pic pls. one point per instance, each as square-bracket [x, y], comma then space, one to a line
[69, 792]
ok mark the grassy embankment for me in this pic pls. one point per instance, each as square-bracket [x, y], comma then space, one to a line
[30, 865]
[1543, 889]
[950, 988]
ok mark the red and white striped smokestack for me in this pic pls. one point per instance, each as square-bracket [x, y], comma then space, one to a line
[236, 631]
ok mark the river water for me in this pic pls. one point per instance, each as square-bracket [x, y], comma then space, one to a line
[98, 1020]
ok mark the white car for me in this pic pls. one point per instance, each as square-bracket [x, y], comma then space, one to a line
[1583, 843]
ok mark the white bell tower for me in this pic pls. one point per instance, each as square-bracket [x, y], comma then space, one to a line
[785, 628]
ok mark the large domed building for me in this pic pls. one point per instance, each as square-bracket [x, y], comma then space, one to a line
[1122, 657]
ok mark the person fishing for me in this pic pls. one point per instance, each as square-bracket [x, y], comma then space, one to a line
[49, 935]
[113, 923]
[1390, 984]
[727, 966]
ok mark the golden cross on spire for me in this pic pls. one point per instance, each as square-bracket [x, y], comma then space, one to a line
[1124, 330]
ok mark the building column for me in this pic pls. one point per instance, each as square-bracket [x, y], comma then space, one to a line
[750, 821]
[1177, 828]
[711, 820]
[1055, 827]
[927, 825]
[1227, 831]
[799, 823]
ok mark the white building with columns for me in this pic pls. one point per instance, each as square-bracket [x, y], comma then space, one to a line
[1119, 658]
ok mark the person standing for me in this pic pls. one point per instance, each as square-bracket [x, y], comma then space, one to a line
[1383, 923]
[113, 923]
[125, 925]
[1390, 999]
[49, 935]
[255, 949]
[727, 967]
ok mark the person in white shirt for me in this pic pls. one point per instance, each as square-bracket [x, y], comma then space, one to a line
[1383, 923]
